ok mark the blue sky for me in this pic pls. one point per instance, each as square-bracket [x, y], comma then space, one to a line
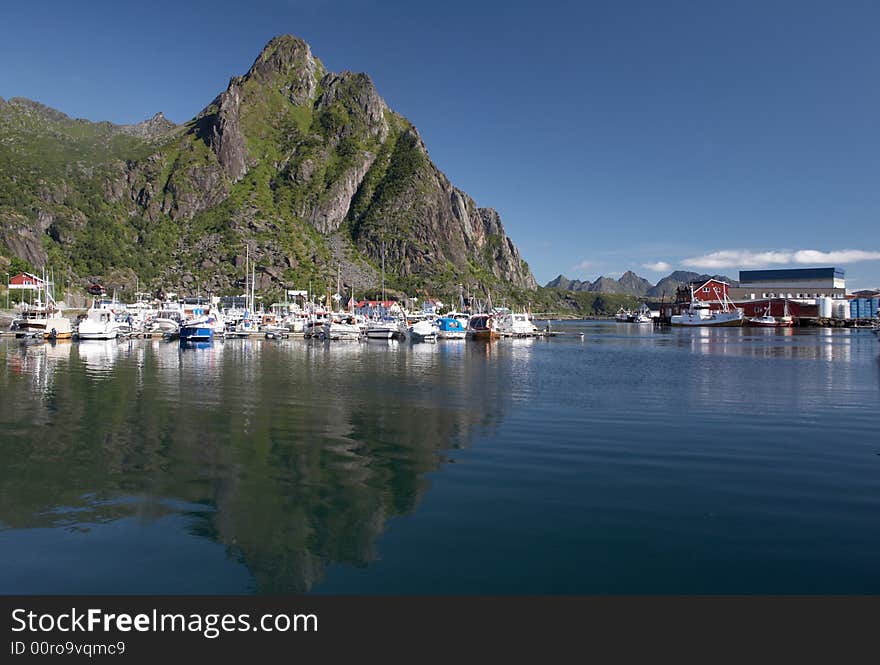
[609, 135]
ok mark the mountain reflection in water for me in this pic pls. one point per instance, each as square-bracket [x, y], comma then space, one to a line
[629, 460]
[290, 455]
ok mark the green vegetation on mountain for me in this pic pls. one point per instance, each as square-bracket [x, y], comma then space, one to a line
[310, 170]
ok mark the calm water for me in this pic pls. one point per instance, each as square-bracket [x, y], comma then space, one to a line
[632, 460]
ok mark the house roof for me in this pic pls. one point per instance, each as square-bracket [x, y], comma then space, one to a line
[22, 276]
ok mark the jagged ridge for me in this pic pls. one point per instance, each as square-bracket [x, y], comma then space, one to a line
[631, 284]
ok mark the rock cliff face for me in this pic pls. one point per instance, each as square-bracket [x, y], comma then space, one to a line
[310, 169]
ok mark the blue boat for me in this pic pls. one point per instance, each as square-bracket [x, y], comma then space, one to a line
[200, 329]
[450, 328]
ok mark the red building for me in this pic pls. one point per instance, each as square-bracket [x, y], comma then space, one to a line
[798, 310]
[27, 281]
[713, 291]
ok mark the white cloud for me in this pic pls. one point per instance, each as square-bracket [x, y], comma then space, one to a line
[660, 266]
[744, 258]
[583, 265]
[838, 256]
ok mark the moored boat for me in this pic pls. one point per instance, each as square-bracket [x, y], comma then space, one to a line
[515, 324]
[482, 327]
[423, 331]
[200, 329]
[700, 313]
[385, 328]
[99, 323]
[58, 327]
[449, 327]
[342, 328]
[767, 320]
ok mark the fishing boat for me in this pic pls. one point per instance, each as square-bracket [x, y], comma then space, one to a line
[767, 320]
[41, 316]
[449, 327]
[423, 331]
[482, 327]
[643, 315]
[786, 320]
[700, 313]
[622, 315]
[30, 319]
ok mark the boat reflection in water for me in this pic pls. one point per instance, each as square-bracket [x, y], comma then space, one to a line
[98, 356]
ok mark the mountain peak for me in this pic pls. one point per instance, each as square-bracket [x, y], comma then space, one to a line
[283, 55]
[153, 128]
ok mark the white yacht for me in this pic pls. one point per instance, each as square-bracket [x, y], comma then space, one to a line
[386, 328]
[165, 321]
[100, 323]
[423, 331]
[515, 324]
[342, 327]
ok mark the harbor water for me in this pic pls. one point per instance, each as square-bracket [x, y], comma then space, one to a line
[626, 460]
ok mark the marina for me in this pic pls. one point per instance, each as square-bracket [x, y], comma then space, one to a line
[211, 468]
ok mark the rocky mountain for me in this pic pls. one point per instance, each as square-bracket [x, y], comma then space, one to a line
[311, 170]
[666, 287]
[606, 285]
[562, 282]
[631, 284]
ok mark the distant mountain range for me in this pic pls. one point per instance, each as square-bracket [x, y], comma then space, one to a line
[634, 285]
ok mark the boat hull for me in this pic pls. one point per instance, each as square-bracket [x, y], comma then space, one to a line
[451, 334]
[382, 333]
[58, 328]
[731, 323]
[484, 335]
[342, 332]
[102, 335]
[196, 334]
[776, 324]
